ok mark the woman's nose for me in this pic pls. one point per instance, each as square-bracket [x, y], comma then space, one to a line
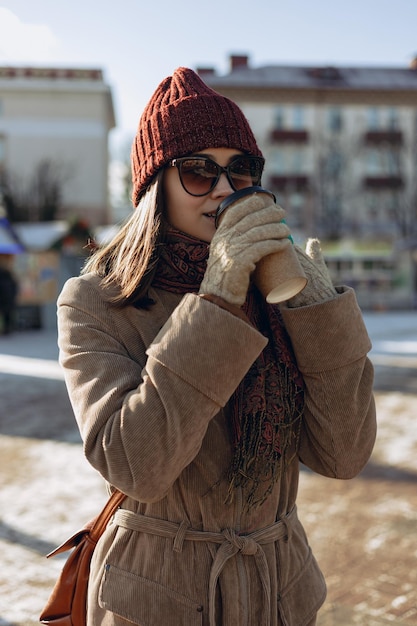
[223, 187]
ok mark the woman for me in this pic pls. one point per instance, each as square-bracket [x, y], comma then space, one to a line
[198, 400]
[8, 294]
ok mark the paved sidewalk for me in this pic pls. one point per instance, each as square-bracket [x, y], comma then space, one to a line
[363, 531]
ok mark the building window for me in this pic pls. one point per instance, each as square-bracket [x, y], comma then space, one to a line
[296, 202]
[334, 119]
[392, 122]
[276, 161]
[392, 161]
[373, 119]
[279, 118]
[297, 164]
[287, 160]
[372, 202]
[383, 162]
[334, 164]
[381, 212]
[383, 119]
[373, 162]
[393, 203]
[298, 118]
[289, 119]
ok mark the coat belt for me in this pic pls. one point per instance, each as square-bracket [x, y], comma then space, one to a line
[230, 543]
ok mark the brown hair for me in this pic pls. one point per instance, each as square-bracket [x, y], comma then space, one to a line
[128, 262]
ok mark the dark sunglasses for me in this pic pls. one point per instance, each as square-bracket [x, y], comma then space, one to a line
[199, 175]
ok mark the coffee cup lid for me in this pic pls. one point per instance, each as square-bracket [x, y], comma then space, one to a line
[238, 195]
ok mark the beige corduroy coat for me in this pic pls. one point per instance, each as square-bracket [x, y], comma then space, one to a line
[149, 390]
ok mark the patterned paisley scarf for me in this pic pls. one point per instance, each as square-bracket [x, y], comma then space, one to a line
[267, 406]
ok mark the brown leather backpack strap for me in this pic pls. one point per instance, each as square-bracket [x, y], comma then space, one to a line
[100, 522]
[95, 527]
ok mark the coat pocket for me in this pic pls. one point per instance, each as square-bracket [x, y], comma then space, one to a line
[299, 602]
[146, 602]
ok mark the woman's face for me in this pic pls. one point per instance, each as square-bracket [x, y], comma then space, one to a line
[194, 215]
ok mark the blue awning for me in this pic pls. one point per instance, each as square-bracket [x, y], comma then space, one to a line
[9, 242]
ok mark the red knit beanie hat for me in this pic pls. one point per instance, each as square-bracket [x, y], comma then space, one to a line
[183, 116]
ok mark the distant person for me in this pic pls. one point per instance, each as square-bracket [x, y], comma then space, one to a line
[198, 399]
[8, 295]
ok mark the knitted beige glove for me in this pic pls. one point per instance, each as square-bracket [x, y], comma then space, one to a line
[319, 286]
[248, 231]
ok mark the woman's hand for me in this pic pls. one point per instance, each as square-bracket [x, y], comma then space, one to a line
[248, 231]
[319, 286]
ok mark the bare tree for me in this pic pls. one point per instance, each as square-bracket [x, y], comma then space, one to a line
[333, 187]
[39, 197]
[406, 210]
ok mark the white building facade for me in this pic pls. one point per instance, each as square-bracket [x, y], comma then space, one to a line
[341, 156]
[62, 117]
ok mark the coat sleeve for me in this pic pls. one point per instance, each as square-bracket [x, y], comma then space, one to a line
[143, 419]
[331, 344]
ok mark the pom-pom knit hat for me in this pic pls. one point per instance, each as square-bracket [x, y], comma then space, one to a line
[184, 116]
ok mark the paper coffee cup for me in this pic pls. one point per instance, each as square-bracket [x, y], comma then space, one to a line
[278, 276]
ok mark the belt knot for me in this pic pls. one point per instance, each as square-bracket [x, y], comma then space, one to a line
[245, 545]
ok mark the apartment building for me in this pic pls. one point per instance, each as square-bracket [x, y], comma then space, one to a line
[56, 121]
[341, 156]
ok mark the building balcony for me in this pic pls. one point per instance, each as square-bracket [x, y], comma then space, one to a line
[383, 182]
[281, 135]
[293, 182]
[393, 137]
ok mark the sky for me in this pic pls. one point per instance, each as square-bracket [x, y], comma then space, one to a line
[137, 43]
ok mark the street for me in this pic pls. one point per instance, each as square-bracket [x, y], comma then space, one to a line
[363, 531]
